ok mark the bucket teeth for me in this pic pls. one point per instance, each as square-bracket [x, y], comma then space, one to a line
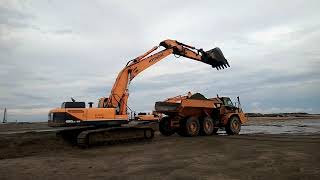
[215, 58]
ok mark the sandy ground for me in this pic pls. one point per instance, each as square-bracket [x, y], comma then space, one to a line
[40, 155]
[10, 127]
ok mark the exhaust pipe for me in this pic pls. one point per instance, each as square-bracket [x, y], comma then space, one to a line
[215, 58]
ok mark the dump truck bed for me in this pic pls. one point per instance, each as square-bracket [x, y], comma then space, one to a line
[186, 106]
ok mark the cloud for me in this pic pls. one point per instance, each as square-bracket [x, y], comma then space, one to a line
[51, 51]
[13, 18]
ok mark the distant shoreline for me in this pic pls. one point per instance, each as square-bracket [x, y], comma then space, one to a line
[299, 114]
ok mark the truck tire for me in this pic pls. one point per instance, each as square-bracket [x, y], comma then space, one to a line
[164, 127]
[206, 126]
[234, 126]
[148, 133]
[192, 126]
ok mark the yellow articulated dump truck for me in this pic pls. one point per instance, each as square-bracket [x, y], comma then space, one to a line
[194, 115]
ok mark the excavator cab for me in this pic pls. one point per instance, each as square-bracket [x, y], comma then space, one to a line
[102, 102]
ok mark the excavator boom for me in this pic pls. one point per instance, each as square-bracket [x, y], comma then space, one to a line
[119, 93]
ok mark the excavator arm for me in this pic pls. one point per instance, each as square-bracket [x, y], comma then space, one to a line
[119, 93]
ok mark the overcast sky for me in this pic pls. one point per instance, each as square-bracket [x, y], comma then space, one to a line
[53, 50]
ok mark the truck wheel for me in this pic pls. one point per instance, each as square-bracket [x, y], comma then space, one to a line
[148, 133]
[164, 127]
[192, 126]
[206, 126]
[234, 126]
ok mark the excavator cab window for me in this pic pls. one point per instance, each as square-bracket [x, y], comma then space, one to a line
[73, 105]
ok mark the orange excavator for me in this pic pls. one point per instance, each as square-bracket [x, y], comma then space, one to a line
[109, 121]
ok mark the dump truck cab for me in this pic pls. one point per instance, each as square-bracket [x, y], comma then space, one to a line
[227, 101]
[228, 111]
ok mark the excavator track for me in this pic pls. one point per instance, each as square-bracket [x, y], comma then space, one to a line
[91, 135]
[114, 135]
[71, 134]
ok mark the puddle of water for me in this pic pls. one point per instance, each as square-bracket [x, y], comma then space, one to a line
[308, 126]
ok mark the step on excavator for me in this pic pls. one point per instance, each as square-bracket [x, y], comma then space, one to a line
[109, 121]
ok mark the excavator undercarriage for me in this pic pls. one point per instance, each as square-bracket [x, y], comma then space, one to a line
[93, 135]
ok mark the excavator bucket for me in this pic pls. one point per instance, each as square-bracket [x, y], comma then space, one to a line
[215, 58]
